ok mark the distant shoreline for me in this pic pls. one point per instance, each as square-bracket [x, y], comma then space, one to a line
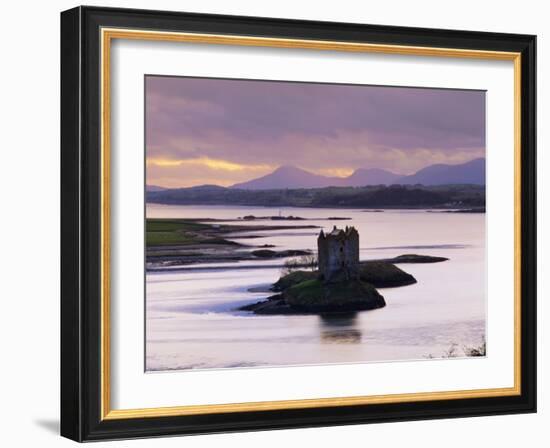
[441, 197]
[437, 209]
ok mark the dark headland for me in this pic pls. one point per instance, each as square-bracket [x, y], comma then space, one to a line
[435, 197]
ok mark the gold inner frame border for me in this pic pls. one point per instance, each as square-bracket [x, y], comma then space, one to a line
[107, 35]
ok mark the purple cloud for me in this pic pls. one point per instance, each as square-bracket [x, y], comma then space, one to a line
[315, 126]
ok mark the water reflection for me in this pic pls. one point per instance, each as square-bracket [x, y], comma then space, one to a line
[339, 328]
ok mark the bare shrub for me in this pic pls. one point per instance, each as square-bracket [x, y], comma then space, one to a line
[467, 350]
[308, 262]
[480, 350]
[452, 351]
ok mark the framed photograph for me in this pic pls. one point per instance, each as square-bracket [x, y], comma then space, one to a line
[274, 223]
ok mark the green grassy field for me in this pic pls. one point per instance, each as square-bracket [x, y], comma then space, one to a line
[315, 293]
[163, 232]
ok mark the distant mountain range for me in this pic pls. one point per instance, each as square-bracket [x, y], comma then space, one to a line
[435, 186]
[290, 177]
[151, 188]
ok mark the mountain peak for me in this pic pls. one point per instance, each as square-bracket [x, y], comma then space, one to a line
[371, 176]
[288, 169]
[285, 176]
[152, 188]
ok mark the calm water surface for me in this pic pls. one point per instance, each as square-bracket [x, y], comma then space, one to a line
[191, 322]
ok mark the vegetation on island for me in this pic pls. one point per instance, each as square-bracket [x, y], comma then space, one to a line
[313, 296]
[304, 291]
[316, 296]
[384, 275]
[380, 274]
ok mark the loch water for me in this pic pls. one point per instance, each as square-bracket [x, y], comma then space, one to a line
[192, 322]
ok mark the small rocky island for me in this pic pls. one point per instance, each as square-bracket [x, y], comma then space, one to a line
[341, 284]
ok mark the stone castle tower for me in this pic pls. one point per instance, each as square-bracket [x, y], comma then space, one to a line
[338, 253]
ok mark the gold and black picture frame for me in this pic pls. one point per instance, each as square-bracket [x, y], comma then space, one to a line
[133, 82]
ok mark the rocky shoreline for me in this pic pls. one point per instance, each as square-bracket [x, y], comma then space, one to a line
[314, 297]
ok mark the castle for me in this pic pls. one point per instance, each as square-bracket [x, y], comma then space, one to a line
[338, 254]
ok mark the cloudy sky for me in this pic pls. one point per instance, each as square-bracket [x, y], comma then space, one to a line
[214, 131]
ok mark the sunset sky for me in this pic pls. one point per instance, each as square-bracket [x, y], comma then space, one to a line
[213, 131]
